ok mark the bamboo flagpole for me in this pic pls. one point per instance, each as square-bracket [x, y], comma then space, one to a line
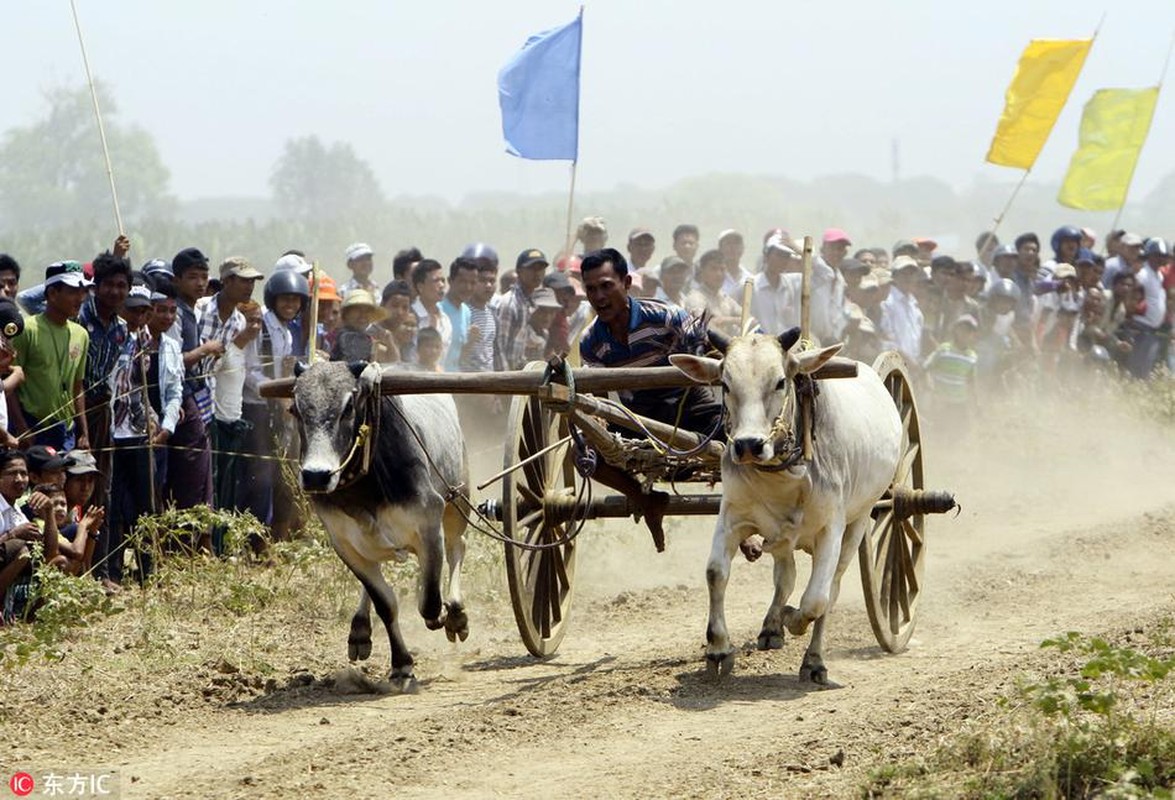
[98, 116]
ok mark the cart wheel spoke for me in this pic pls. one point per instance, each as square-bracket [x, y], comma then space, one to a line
[907, 463]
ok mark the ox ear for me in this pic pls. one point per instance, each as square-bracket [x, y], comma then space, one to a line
[719, 341]
[788, 339]
[812, 360]
[369, 375]
[698, 368]
[299, 368]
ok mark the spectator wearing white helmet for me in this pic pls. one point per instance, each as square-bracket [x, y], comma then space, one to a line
[360, 260]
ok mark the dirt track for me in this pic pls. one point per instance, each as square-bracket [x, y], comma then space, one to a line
[1063, 533]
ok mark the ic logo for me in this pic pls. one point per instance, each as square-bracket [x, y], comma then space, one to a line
[22, 784]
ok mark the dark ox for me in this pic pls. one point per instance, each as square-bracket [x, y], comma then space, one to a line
[821, 507]
[399, 507]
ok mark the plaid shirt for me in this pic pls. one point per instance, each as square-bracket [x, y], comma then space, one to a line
[210, 327]
[513, 315]
[106, 342]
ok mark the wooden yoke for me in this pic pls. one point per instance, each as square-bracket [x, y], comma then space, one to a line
[588, 380]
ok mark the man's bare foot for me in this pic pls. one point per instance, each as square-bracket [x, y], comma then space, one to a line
[110, 587]
[752, 547]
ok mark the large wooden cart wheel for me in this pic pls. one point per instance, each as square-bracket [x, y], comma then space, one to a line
[538, 506]
[892, 555]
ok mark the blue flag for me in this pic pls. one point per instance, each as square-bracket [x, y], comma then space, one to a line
[539, 94]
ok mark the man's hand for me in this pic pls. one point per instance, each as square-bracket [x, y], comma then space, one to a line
[82, 442]
[27, 531]
[161, 436]
[122, 246]
[40, 504]
[212, 347]
[94, 517]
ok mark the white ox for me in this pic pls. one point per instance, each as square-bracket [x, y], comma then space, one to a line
[822, 507]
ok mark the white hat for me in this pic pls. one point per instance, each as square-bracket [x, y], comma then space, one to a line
[358, 250]
[70, 273]
[780, 242]
[295, 262]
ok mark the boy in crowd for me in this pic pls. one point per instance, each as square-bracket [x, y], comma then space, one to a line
[462, 281]
[9, 277]
[710, 297]
[429, 349]
[396, 333]
[360, 260]
[15, 529]
[52, 351]
[428, 282]
[354, 342]
[538, 325]
[46, 465]
[952, 368]
[483, 325]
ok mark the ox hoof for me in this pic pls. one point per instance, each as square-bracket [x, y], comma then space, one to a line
[770, 640]
[435, 624]
[815, 672]
[456, 623]
[794, 621]
[403, 681]
[358, 647]
[719, 665]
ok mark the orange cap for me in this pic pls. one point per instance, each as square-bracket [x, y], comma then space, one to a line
[328, 289]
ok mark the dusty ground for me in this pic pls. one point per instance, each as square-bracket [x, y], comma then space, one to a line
[1061, 529]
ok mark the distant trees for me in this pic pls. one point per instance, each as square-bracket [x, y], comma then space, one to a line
[52, 172]
[313, 182]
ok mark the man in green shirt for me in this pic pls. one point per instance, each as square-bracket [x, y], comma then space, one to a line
[52, 352]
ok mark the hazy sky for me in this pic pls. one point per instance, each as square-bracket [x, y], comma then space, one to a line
[670, 89]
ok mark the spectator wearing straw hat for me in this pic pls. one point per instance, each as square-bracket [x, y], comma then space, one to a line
[52, 352]
[354, 342]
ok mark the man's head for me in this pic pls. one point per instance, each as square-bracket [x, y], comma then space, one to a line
[462, 280]
[530, 266]
[641, 244]
[46, 465]
[731, 246]
[1004, 258]
[14, 475]
[163, 309]
[81, 477]
[1065, 242]
[712, 270]
[136, 310]
[360, 311]
[964, 332]
[9, 276]
[428, 280]
[112, 281]
[404, 261]
[65, 288]
[429, 347]
[853, 271]
[487, 283]
[1028, 252]
[190, 268]
[906, 274]
[237, 278]
[779, 255]
[593, 232]
[942, 270]
[606, 282]
[926, 247]
[1090, 268]
[674, 275]
[481, 254]
[360, 260]
[397, 301]
[834, 246]
[1157, 252]
[867, 257]
[286, 294]
[985, 246]
[566, 292]
[905, 247]
[1130, 249]
[685, 242]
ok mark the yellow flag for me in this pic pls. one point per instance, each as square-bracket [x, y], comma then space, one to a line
[1113, 127]
[1044, 77]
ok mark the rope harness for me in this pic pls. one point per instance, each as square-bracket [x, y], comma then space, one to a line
[787, 437]
[358, 460]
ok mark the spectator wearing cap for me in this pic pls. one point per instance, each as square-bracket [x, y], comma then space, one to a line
[901, 317]
[82, 479]
[329, 311]
[685, 242]
[1127, 257]
[955, 302]
[592, 233]
[515, 308]
[232, 318]
[905, 247]
[11, 325]
[675, 279]
[732, 247]
[455, 305]
[641, 244]
[46, 465]
[566, 326]
[1003, 265]
[545, 309]
[776, 299]
[108, 335]
[360, 260]
[828, 316]
[9, 277]
[428, 279]
[145, 405]
[52, 353]
[709, 297]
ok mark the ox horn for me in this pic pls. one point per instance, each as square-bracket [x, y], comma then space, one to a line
[356, 367]
[718, 341]
[788, 339]
[299, 368]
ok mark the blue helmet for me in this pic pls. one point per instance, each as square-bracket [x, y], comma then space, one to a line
[480, 250]
[1065, 233]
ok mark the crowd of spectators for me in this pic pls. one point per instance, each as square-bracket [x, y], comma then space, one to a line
[127, 390]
